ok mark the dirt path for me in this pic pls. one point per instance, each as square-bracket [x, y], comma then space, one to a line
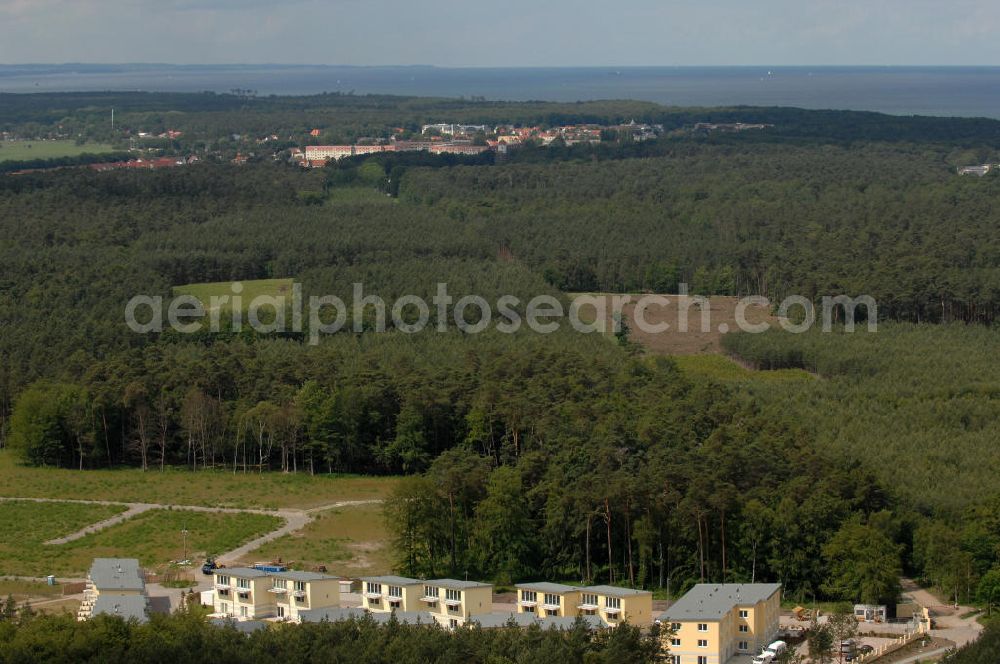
[293, 520]
[948, 621]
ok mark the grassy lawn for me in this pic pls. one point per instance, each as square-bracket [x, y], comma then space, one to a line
[214, 488]
[251, 289]
[723, 370]
[27, 525]
[25, 150]
[153, 537]
[21, 590]
[351, 541]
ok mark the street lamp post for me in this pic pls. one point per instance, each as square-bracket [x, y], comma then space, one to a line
[184, 537]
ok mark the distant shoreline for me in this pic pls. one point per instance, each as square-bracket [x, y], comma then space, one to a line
[956, 91]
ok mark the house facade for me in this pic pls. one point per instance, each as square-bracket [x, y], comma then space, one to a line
[712, 623]
[384, 594]
[453, 602]
[247, 593]
[548, 600]
[614, 605]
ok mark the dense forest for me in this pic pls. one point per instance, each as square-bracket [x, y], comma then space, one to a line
[26, 638]
[563, 456]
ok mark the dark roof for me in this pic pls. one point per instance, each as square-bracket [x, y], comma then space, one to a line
[332, 614]
[712, 601]
[116, 574]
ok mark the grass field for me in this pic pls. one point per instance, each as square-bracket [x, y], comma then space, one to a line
[218, 488]
[153, 537]
[722, 369]
[251, 289]
[349, 542]
[26, 150]
[27, 525]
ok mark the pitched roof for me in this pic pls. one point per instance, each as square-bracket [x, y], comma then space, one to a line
[455, 584]
[293, 575]
[615, 591]
[546, 587]
[392, 580]
[712, 601]
[123, 606]
[116, 574]
[241, 572]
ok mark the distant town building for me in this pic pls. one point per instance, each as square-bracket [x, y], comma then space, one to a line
[979, 171]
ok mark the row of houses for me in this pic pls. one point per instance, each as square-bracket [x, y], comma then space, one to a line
[710, 624]
[317, 155]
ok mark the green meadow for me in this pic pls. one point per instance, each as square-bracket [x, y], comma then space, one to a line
[26, 150]
[204, 292]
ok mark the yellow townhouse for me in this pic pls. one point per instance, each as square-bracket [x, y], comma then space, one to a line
[247, 593]
[453, 602]
[383, 594]
[548, 600]
[242, 593]
[115, 586]
[715, 622]
[614, 605]
[295, 592]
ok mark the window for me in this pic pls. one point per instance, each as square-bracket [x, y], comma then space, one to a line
[222, 580]
[744, 628]
[223, 592]
[373, 588]
[300, 586]
[453, 595]
[552, 599]
[702, 627]
[224, 608]
[281, 611]
[702, 659]
[395, 592]
[590, 598]
[613, 602]
[243, 584]
[744, 613]
[453, 623]
[529, 596]
[430, 591]
[743, 645]
[244, 612]
[675, 659]
[676, 627]
[675, 642]
[702, 643]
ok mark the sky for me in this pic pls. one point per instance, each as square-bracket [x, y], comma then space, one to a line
[509, 33]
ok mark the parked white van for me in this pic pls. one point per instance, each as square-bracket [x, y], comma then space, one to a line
[765, 657]
[777, 647]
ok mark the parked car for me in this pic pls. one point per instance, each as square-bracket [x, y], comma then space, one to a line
[209, 567]
[765, 657]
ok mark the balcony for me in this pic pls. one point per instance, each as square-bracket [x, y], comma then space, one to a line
[222, 586]
[551, 607]
[277, 590]
[587, 607]
[430, 599]
[453, 603]
[368, 595]
[527, 603]
[299, 594]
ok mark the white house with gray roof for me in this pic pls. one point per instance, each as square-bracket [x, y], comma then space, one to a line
[111, 578]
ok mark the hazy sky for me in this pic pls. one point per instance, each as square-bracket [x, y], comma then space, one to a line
[505, 33]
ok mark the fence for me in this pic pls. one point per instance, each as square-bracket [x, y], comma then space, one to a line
[915, 629]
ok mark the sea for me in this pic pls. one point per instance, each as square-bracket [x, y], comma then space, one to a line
[938, 91]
